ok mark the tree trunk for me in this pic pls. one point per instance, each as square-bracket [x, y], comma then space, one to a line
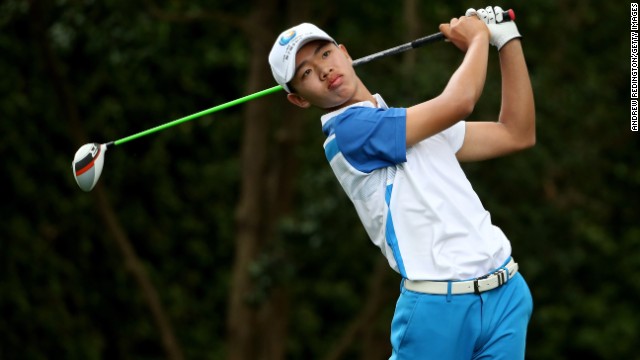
[412, 21]
[251, 212]
[274, 316]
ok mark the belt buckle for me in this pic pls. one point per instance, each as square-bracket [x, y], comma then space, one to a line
[476, 288]
[501, 273]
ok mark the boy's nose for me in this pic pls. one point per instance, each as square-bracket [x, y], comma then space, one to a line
[325, 72]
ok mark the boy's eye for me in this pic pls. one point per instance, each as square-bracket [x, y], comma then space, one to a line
[326, 53]
[306, 72]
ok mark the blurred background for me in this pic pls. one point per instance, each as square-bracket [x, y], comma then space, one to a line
[228, 237]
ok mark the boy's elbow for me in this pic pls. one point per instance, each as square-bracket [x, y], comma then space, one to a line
[532, 139]
[521, 143]
[465, 105]
[528, 140]
[467, 109]
[461, 101]
[522, 130]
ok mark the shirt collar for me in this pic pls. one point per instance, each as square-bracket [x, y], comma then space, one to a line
[381, 105]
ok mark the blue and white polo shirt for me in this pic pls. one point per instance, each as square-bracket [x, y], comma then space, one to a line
[415, 203]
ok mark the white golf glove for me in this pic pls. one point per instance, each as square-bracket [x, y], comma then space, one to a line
[501, 32]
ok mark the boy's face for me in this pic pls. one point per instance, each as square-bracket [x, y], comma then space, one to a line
[324, 76]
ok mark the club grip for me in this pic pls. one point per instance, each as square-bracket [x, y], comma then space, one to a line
[509, 15]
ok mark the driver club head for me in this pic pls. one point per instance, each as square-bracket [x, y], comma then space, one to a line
[87, 165]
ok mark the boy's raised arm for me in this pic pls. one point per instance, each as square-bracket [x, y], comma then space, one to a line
[464, 88]
[515, 128]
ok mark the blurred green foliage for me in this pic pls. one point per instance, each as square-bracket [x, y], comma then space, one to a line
[569, 205]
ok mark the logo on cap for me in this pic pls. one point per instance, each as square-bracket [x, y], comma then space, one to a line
[286, 37]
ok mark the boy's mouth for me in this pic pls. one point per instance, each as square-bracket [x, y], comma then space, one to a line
[335, 82]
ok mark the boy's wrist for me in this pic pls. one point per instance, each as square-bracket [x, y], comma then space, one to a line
[481, 39]
[503, 33]
[512, 45]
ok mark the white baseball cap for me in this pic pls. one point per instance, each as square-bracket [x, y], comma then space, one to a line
[283, 53]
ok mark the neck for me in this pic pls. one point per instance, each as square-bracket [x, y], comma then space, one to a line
[361, 94]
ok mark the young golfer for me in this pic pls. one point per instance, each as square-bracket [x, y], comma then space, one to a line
[461, 295]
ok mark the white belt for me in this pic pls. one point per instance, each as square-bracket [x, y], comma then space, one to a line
[478, 285]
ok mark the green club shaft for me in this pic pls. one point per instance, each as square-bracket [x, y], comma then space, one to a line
[199, 114]
[398, 49]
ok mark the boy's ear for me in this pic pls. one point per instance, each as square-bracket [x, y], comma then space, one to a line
[298, 100]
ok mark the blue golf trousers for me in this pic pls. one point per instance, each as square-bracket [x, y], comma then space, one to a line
[489, 325]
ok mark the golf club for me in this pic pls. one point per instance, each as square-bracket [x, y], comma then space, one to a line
[89, 159]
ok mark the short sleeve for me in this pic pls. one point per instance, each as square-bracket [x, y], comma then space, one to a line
[455, 135]
[372, 138]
